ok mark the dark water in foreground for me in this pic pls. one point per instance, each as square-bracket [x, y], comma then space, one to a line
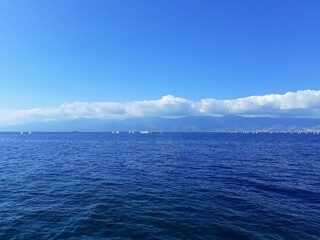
[169, 186]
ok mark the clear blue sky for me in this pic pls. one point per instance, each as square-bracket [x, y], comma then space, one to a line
[58, 51]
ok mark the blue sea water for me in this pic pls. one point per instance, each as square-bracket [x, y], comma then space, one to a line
[159, 186]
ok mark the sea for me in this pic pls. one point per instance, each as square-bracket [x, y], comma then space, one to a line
[160, 186]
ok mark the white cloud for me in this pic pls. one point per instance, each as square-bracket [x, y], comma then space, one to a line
[292, 104]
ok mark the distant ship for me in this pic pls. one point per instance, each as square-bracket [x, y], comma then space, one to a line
[115, 132]
[23, 132]
[147, 132]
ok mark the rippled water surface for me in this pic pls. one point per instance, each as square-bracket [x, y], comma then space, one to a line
[159, 186]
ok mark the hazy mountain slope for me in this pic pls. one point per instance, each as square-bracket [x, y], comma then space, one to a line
[228, 123]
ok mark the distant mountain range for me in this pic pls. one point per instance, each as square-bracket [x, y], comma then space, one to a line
[185, 124]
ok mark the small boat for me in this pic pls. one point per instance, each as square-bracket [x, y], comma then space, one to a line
[21, 132]
[115, 132]
[131, 132]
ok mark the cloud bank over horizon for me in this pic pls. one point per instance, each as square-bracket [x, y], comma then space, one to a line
[304, 103]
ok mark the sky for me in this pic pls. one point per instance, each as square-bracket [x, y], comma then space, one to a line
[56, 52]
